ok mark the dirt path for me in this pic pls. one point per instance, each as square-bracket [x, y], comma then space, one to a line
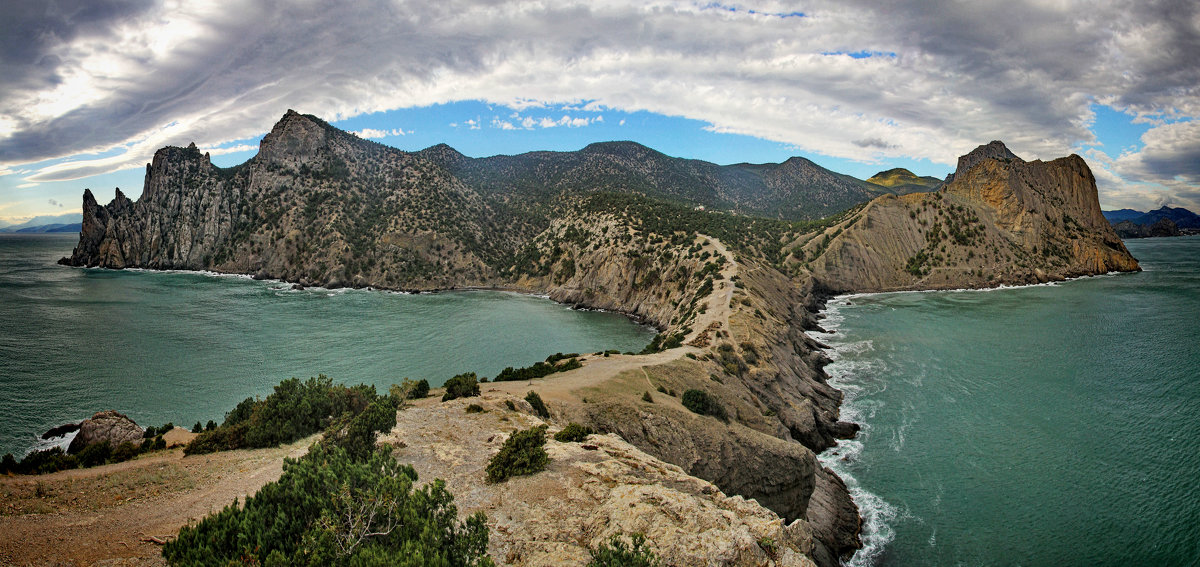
[102, 514]
[719, 303]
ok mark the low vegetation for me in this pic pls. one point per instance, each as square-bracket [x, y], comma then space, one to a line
[701, 402]
[541, 369]
[346, 502]
[293, 411]
[462, 386]
[617, 553]
[523, 453]
[573, 433]
[539, 407]
[330, 508]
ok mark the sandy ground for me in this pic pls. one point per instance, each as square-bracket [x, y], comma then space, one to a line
[102, 515]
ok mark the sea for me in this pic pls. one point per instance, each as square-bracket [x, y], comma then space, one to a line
[1046, 425]
[184, 347]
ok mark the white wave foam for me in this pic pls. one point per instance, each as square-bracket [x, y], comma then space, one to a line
[62, 441]
[852, 364]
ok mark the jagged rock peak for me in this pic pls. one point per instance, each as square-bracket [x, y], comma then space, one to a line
[992, 150]
[296, 137]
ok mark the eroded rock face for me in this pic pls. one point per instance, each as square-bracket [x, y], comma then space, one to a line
[110, 426]
[1002, 220]
[587, 494]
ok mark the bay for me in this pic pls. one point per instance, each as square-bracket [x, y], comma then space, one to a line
[186, 347]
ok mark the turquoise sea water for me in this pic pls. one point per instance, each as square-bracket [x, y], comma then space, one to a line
[186, 347]
[1047, 425]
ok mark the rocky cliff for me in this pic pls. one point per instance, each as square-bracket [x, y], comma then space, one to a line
[1001, 220]
[620, 227]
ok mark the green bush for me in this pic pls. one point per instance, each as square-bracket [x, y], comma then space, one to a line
[94, 454]
[197, 428]
[474, 408]
[698, 401]
[647, 398]
[41, 462]
[356, 433]
[540, 369]
[523, 453]
[127, 450]
[461, 386]
[409, 390]
[539, 407]
[293, 411]
[616, 553]
[420, 390]
[573, 433]
[330, 509]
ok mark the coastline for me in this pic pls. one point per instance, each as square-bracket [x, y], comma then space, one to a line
[874, 513]
[518, 290]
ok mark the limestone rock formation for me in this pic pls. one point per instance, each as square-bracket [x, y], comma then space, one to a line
[994, 150]
[1001, 220]
[106, 426]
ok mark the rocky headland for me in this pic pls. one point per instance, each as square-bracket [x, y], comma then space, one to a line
[620, 227]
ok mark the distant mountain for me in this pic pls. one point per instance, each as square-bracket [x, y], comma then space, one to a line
[902, 181]
[1182, 217]
[1122, 215]
[1127, 221]
[52, 221]
[1161, 227]
[796, 189]
[48, 228]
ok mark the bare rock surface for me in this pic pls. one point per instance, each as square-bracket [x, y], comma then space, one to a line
[589, 492]
[110, 426]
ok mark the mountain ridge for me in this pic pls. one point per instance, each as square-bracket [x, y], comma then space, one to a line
[1180, 216]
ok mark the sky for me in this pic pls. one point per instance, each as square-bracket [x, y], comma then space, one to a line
[92, 88]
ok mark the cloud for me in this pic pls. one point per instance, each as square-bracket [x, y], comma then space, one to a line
[372, 133]
[530, 123]
[1170, 153]
[54, 203]
[89, 77]
[872, 143]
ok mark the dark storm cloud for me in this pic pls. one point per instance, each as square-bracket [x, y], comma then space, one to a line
[31, 33]
[860, 80]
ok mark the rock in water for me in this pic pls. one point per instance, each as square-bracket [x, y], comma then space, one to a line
[60, 430]
[110, 426]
